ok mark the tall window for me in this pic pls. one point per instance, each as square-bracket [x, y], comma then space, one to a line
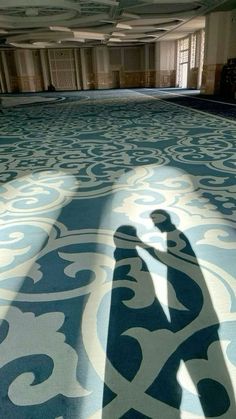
[183, 60]
[193, 51]
[184, 50]
[201, 58]
[190, 56]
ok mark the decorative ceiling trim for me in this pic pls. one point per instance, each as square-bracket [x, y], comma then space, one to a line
[28, 21]
[207, 7]
[57, 4]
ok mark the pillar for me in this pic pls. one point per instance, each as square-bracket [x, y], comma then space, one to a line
[101, 67]
[45, 68]
[200, 55]
[165, 63]
[217, 41]
[78, 76]
[6, 72]
[25, 70]
[84, 72]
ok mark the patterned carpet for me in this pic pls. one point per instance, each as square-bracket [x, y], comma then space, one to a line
[117, 258]
[192, 99]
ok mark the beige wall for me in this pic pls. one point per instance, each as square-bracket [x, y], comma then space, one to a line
[88, 68]
[62, 68]
[132, 66]
[165, 64]
[220, 46]
[217, 37]
[195, 72]
[232, 37]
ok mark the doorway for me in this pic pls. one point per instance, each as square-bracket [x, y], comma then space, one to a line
[183, 62]
[183, 75]
[116, 79]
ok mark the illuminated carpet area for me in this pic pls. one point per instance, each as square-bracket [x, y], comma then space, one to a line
[117, 260]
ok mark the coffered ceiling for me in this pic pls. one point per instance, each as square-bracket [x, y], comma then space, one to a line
[60, 23]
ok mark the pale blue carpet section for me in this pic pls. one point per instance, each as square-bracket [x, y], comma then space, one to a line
[117, 257]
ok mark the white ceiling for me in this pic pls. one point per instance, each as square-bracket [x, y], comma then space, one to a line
[60, 23]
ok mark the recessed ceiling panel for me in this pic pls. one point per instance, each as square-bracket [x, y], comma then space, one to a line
[25, 20]
[169, 8]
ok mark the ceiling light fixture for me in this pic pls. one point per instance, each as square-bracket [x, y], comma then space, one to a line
[129, 40]
[115, 40]
[107, 2]
[23, 45]
[89, 35]
[42, 44]
[31, 12]
[130, 15]
[59, 28]
[123, 26]
[107, 21]
[72, 40]
[118, 34]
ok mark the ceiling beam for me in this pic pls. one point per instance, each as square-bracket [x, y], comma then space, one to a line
[206, 8]
[107, 2]
[58, 4]
[168, 1]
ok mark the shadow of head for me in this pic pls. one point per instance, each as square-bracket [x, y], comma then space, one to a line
[126, 232]
[162, 220]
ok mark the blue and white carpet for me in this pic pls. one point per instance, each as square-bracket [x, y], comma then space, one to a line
[117, 236]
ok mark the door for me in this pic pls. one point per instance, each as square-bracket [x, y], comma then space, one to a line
[184, 75]
[116, 79]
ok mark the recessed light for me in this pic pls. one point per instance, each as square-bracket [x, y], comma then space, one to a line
[31, 12]
[73, 40]
[118, 34]
[59, 28]
[130, 40]
[115, 40]
[108, 2]
[130, 15]
[42, 44]
[107, 21]
[89, 35]
[123, 26]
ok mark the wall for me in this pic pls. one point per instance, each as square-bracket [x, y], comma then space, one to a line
[62, 69]
[220, 46]
[232, 38]
[165, 63]
[38, 76]
[196, 63]
[9, 71]
[132, 66]
[100, 67]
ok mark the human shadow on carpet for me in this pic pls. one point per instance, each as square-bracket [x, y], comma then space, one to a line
[148, 348]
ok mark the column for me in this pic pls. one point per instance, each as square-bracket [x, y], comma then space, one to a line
[146, 65]
[45, 68]
[77, 69]
[101, 67]
[84, 72]
[6, 72]
[200, 55]
[25, 70]
[217, 41]
[165, 63]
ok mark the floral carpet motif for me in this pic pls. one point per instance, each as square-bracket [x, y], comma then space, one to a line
[117, 225]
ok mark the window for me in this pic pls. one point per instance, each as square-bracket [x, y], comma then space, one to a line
[183, 50]
[193, 50]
